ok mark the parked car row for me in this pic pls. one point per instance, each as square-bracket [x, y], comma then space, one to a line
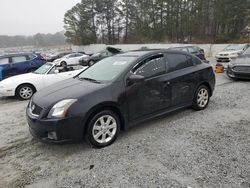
[15, 64]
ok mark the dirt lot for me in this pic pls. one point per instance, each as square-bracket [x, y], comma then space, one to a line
[210, 148]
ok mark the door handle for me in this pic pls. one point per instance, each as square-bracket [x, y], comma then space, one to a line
[167, 83]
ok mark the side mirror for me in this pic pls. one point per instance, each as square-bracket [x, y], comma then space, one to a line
[56, 71]
[132, 79]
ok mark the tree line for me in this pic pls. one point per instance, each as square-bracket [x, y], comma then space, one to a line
[143, 21]
[36, 40]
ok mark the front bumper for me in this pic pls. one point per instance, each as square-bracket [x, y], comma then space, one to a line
[235, 74]
[63, 130]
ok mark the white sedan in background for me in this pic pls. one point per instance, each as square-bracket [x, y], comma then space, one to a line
[71, 59]
[25, 85]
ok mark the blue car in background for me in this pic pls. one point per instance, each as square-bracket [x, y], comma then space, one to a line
[14, 64]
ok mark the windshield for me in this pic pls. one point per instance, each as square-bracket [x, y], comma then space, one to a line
[247, 52]
[234, 47]
[107, 69]
[43, 69]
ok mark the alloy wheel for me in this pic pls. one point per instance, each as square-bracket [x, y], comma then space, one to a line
[202, 98]
[26, 92]
[104, 129]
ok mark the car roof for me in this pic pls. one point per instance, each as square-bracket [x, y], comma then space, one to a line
[139, 53]
[16, 54]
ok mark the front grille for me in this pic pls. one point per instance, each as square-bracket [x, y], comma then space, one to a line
[245, 69]
[223, 58]
[35, 109]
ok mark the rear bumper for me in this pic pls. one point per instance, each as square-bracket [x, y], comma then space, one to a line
[62, 130]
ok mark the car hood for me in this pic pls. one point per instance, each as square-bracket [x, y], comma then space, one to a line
[229, 52]
[72, 88]
[241, 60]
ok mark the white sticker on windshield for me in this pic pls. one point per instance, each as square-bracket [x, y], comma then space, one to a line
[120, 63]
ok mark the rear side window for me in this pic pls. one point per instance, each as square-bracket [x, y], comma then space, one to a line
[4, 61]
[178, 61]
[151, 67]
[19, 59]
[196, 60]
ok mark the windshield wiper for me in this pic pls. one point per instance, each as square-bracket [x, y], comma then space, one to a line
[89, 79]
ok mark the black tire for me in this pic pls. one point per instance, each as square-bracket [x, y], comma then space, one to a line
[63, 63]
[91, 63]
[94, 121]
[197, 101]
[30, 91]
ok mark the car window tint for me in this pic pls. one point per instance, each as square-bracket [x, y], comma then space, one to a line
[72, 55]
[78, 55]
[4, 61]
[196, 60]
[192, 50]
[150, 67]
[178, 61]
[19, 59]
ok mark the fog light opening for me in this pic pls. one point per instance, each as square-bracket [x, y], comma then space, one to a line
[52, 136]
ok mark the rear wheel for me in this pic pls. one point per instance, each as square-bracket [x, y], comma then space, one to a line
[103, 129]
[201, 98]
[25, 91]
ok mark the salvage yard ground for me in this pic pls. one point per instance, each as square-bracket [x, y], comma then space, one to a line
[210, 148]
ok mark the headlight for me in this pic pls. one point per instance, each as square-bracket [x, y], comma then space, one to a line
[59, 110]
[2, 86]
[230, 65]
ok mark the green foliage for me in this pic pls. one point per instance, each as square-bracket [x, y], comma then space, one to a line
[141, 21]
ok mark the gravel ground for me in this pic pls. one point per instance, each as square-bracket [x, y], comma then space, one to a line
[210, 148]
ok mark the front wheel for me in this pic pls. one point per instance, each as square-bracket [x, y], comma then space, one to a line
[201, 98]
[103, 129]
[25, 91]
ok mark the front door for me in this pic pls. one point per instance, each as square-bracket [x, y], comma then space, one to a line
[154, 93]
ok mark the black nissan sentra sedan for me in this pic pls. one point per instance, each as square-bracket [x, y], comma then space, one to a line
[118, 92]
[239, 68]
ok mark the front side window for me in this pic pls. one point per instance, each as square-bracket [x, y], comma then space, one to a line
[43, 69]
[151, 67]
[19, 59]
[178, 61]
[4, 61]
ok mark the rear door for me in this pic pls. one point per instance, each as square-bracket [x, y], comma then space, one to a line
[183, 78]
[19, 64]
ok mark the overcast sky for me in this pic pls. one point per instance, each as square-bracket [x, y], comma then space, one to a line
[28, 17]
